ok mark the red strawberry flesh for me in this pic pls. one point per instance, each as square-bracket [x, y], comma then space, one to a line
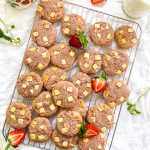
[75, 42]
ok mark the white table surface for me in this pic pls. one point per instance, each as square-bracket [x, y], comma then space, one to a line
[133, 132]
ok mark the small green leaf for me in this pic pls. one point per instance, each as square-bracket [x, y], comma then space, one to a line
[82, 39]
[8, 146]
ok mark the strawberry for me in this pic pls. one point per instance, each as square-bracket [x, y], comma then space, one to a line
[15, 137]
[99, 83]
[78, 40]
[97, 1]
[88, 130]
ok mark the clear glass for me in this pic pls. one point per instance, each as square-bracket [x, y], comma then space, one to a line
[20, 4]
[136, 8]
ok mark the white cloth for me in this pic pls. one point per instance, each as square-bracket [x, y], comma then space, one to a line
[133, 132]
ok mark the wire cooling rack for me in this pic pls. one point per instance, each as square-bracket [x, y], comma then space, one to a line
[91, 16]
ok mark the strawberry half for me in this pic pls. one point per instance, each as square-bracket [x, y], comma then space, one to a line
[15, 138]
[99, 83]
[88, 130]
[97, 1]
[78, 40]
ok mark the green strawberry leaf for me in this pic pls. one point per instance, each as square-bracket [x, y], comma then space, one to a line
[82, 39]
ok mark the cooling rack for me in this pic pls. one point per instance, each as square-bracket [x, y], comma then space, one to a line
[91, 16]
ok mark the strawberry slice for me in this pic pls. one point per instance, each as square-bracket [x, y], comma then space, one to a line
[99, 83]
[88, 130]
[97, 1]
[78, 40]
[15, 137]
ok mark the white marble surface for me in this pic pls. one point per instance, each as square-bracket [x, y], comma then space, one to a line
[133, 132]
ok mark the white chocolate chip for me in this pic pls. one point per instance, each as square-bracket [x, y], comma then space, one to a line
[100, 146]
[56, 92]
[69, 89]
[64, 130]
[130, 30]
[35, 34]
[85, 93]
[32, 136]
[31, 91]
[41, 137]
[13, 117]
[99, 35]
[63, 61]
[124, 66]
[47, 96]
[85, 140]
[86, 55]
[56, 53]
[60, 4]
[29, 60]
[86, 65]
[103, 129]
[32, 49]
[44, 55]
[54, 69]
[109, 117]
[42, 127]
[39, 8]
[46, 26]
[22, 112]
[66, 30]
[36, 87]
[56, 139]
[107, 57]
[102, 135]
[63, 77]
[38, 105]
[65, 143]
[119, 84]
[20, 121]
[60, 120]
[12, 109]
[121, 99]
[70, 99]
[33, 123]
[88, 85]
[101, 107]
[78, 82]
[62, 46]
[107, 26]
[123, 41]
[97, 57]
[42, 110]
[93, 119]
[52, 107]
[52, 14]
[76, 114]
[95, 67]
[78, 126]
[109, 36]
[121, 32]
[58, 103]
[45, 39]
[29, 78]
[40, 66]
[97, 26]
[71, 53]
[66, 18]
[134, 41]
[119, 72]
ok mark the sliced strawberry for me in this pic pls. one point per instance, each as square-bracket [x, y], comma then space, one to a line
[97, 1]
[25, 2]
[15, 138]
[88, 130]
[78, 40]
[99, 83]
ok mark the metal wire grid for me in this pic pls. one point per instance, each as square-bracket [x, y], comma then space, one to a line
[91, 16]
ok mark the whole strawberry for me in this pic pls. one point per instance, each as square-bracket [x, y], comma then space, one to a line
[78, 40]
[99, 83]
[88, 130]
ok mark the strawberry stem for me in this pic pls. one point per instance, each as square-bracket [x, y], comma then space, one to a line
[8, 146]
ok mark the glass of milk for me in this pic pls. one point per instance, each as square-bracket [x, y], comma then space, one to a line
[136, 8]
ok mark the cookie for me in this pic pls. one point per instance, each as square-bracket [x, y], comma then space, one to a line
[115, 62]
[116, 93]
[101, 33]
[79, 107]
[94, 143]
[83, 82]
[63, 141]
[52, 75]
[51, 10]
[69, 122]
[39, 130]
[89, 61]
[62, 56]
[101, 116]
[72, 23]
[43, 33]
[64, 94]
[36, 58]
[18, 115]
[29, 85]
[125, 37]
[44, 105]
